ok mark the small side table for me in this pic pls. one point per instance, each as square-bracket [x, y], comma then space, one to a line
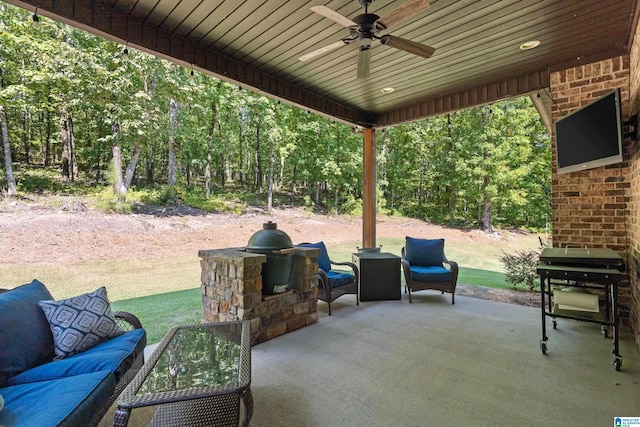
[197, 376]
[379, 275]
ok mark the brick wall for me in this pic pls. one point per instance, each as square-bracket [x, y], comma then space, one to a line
[591, 207]
[633, 247]
[596, 196]
[598, 207]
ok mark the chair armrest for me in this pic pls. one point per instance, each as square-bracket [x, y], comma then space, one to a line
[454, 269]
[406, 265]
[127, 321]
[323, 279]
[351, 265]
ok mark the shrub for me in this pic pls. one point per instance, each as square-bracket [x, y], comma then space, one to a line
[520, 268]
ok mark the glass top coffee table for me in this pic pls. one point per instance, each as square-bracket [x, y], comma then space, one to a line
[197, 376]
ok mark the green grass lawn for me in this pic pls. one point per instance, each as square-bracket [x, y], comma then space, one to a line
[166, 291]
[158, 313]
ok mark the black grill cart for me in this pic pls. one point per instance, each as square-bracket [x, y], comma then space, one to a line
[598, 269]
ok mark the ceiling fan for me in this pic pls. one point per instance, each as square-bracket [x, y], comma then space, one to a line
[367, 27]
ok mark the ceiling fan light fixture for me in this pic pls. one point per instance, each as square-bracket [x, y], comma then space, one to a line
[366, 28]
[531, 44]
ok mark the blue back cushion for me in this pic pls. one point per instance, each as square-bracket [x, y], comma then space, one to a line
[425, 252]
[25, 337]
[323, 257]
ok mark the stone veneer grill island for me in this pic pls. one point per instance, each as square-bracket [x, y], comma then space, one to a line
[232, 290]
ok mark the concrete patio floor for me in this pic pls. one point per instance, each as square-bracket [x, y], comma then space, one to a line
[430, 363]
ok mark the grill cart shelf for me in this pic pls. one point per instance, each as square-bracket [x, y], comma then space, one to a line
[581, 268]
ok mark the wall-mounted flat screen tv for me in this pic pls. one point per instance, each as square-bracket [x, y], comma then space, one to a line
[590, 136]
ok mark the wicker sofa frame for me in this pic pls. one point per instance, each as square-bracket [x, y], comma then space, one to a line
[127, 322]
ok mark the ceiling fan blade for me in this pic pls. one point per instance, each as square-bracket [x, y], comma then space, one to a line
[405, 11]
[333, 15]
[364, 62]
[408, 46]
[321, 51]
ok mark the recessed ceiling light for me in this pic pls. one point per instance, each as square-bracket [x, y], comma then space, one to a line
[531, 44]
[387, 90]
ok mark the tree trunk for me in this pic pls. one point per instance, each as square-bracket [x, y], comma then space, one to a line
[25, 137]
[210, 141]
[281, 175]
[272, 155]
[452, 205]
[383, 165]
[8, 163]
[66, 150]
[73, 162]
[47, 150]
[173, 130]
[487, 214]
[150, 164]
[98, 166]
[257, 179]
[131, 167]
[118, 182]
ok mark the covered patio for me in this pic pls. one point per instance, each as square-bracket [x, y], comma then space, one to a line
[427, 363]
[435, 57]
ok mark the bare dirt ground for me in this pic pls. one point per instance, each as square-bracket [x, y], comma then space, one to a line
[33, 232]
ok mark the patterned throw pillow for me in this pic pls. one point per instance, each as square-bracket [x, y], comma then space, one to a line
[80, 322]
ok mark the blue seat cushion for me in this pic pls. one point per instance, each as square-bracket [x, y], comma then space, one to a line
[65, 402]
[337, 278]
[433, 273]
[424, 252]
[25, 337]
[115, 355]
[323, 258]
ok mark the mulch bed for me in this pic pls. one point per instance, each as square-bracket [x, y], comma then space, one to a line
[530, 299]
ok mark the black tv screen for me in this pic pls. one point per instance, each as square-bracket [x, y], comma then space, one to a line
[590, 136]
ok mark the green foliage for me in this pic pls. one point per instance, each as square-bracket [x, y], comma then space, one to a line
[446, 169]
[162, 196]
[46, 181]
[107, 201]
[197, 198]
[520, 268]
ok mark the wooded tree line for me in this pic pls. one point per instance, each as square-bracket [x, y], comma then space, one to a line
[76, 102]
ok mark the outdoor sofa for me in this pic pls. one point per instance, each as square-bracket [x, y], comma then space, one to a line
[47, 381]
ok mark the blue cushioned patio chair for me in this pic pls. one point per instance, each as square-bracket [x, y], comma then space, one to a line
[425, 266]
[333, 284]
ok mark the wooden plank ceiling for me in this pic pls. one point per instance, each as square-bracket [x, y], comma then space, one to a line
[257, 43]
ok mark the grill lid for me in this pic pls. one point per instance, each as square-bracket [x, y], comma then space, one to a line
[269, 239]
